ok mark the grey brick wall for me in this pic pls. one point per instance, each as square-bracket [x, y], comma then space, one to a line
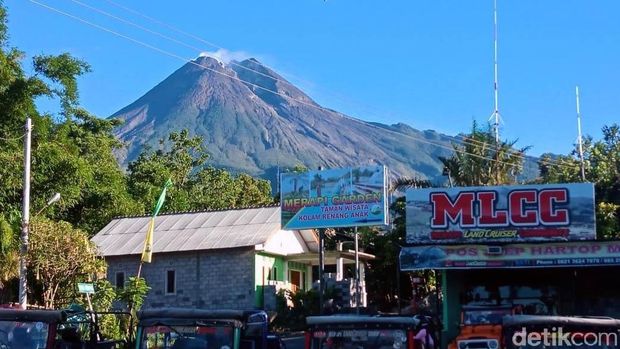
[204, 279]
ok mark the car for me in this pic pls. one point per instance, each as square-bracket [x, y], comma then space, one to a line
[172, 328]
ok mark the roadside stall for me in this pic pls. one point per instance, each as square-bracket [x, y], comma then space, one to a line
[532, 248]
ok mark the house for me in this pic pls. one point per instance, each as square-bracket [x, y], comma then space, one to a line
[234, 259]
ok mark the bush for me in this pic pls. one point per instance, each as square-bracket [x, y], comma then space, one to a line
[304, 303]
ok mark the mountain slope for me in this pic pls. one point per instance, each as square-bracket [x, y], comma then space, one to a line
[247, 128]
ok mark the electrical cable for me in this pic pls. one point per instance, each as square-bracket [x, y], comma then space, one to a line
[512, 152]
[312, 105]
[464, 138]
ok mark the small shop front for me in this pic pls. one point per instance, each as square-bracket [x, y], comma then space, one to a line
[527, 249]
[550, 278]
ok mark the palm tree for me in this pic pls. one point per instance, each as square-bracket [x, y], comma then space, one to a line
[406, 182]
[479, 160]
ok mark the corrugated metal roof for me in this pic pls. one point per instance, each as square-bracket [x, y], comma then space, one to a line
[190, 231]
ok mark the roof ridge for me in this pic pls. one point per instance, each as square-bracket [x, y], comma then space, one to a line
[201, 211]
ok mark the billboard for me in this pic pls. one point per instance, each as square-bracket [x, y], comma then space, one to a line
[549, 212]
[533, 255]
[341, 197]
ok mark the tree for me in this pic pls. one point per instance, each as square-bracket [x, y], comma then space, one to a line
[382, 272]
[480, 160]
[71, 151]
[196, 186]
[9, 266]
[252, 191]
[61, 256]
[602, 167]
[177, 157]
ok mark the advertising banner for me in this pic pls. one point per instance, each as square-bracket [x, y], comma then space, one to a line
[549, 212]
[343, 197]
[536, 255]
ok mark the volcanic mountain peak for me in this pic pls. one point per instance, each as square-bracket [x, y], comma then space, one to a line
[253, 120]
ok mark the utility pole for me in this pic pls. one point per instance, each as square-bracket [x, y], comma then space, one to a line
[358, 297]
[321, 264]
[23, 251]
[321, 268]
[398, 278]
[583, 170]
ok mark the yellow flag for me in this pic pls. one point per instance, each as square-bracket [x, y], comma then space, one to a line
[147, 252]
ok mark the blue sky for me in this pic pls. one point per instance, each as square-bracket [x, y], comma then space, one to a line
[425, 63]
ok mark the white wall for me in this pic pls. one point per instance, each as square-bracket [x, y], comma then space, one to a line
[285, 242]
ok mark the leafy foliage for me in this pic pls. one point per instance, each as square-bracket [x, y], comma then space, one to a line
[196, 187]
[73, 154]
[110, 325]
[480, 160]
[601, 167]
[134, 292]
[293, 307]
[61, 256]
[133, 295]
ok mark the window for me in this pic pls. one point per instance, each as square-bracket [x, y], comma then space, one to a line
[273, 274]
[171, 282]
[120, 280]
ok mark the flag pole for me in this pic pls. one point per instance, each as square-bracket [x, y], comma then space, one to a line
[139, 271]
[147, 252]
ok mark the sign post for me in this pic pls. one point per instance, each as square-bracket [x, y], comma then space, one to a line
[358, 296]
[334, 198]
[321, 268]
[88, 289]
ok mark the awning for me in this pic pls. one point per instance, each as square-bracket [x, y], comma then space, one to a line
[532, 255]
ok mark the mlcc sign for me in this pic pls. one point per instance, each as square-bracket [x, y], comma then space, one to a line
[503, 213]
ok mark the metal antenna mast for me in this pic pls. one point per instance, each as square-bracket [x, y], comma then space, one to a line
[583, 171]
[495, 115]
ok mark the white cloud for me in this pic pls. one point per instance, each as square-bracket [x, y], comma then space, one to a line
[225, 56]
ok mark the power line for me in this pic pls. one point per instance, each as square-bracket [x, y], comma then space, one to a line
[190, 35]
[173, 39]
[168, 53]
[330, 93]
[469, 139]
[365, 109]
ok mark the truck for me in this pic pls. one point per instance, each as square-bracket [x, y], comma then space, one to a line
[354, 331]
[183, 328]
[51, 329]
